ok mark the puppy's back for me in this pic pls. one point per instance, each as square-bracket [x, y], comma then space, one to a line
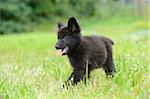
[98, 52]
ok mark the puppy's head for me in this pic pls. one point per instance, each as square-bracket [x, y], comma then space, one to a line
[68, 36]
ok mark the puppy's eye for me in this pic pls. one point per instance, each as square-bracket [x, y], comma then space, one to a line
[60, 37]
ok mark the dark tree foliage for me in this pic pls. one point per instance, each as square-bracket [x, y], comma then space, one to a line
[18, 15]
[14, 15]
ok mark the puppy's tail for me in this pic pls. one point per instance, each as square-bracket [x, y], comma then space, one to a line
[111, 41]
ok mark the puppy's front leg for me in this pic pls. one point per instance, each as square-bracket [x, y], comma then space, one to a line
[69, 81]
[70, 76]
[78, 74]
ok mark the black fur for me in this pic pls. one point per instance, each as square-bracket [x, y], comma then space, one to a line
[95, 51]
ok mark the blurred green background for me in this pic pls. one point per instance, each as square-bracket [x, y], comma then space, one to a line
[21, 15]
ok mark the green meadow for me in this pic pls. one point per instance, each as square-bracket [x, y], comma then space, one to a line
[31, 68]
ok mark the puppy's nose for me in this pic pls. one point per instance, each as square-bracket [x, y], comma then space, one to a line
[57, 46]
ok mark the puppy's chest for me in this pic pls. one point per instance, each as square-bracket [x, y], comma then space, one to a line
[77, 58]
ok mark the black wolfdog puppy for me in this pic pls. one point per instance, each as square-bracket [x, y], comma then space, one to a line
[84, 51]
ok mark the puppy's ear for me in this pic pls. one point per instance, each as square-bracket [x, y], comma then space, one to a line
[59, 25]
[73, 25]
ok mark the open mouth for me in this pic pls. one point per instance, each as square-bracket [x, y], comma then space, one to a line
[64, 50]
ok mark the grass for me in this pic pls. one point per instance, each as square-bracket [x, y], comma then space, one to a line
[31, 68]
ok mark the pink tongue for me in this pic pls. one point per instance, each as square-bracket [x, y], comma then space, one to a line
[62, 51]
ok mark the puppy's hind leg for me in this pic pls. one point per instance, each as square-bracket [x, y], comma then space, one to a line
[109, 66]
